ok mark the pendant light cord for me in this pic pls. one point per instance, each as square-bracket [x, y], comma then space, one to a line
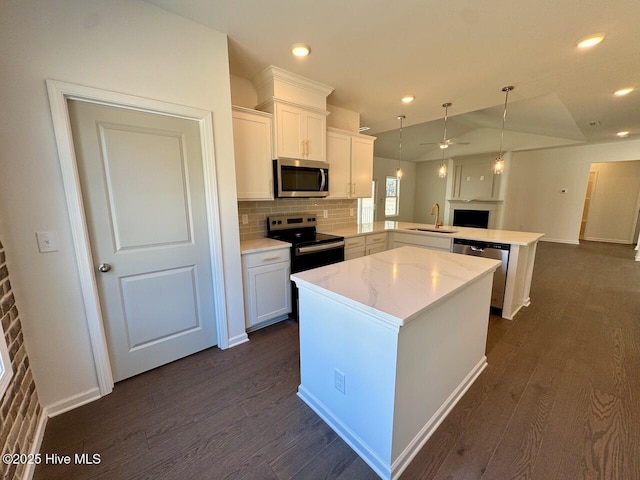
[504, 116]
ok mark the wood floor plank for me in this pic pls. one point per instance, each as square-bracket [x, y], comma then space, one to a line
[558, 399]
[520, 445]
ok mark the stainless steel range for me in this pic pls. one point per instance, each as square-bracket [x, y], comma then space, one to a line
[309, 249]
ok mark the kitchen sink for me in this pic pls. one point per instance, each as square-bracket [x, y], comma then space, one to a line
[433, 230]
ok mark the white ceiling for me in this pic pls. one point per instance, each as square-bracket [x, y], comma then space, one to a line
[461, 51]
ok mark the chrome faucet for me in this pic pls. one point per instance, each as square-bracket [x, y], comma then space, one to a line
[436, 207]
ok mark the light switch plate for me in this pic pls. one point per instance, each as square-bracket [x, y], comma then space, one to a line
[46, 242]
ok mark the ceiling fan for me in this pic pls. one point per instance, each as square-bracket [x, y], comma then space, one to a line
[446, 142]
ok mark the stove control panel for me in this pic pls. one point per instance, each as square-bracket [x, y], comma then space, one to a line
[287, 222]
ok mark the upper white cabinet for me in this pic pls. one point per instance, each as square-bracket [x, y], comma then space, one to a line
[351, 158]
[299, 108]
[300, 132]
[253, 153]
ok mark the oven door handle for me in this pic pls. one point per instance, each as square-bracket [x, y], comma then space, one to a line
[319, 248]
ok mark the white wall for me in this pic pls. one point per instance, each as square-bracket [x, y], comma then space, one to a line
[383, 167]
[613, 209]
[243, 93]
[534, 202]
[430, 189]
[120, 45]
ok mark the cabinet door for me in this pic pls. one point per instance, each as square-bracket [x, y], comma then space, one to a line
[315, 136]
[269, 294]
[253, 154]
[376, 249]
[361, 166]
[356, 252]
[339, 157]
[290, 126]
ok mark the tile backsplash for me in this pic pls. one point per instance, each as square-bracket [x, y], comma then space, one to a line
[338, 213]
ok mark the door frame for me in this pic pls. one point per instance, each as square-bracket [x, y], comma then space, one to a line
[59, 93]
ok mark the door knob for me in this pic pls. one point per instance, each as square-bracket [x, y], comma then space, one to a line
[104, 267]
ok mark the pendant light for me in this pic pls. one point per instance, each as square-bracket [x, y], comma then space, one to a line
[398, 169]
[498, 165]
[442, 171]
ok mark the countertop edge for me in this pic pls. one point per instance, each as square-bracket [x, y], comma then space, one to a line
[386, 317]
[405, 227]
[262, 245]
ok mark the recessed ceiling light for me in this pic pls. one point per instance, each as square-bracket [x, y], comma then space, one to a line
[623, 92]
[622, 134]
[591, 40]
[408, 99]
[300, 49]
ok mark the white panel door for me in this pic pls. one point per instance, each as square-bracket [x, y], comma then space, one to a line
[143, 189]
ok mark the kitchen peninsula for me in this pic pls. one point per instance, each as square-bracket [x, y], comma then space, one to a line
[389, 343]
[519, 271]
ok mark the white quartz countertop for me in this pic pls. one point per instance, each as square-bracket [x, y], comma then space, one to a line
[262, 245]
[481, 234]
[396, 285]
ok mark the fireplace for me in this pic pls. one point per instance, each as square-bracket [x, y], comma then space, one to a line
[471, 218]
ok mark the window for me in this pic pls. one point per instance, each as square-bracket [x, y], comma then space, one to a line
[392, 197]
[367, 206]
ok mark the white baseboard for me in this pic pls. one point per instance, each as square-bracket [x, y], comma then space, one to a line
[72, 402]
[35, 446]
[238, 340]
[560, 240]
[404, 459]
[608, 240]
[353, 440]
[383, 469]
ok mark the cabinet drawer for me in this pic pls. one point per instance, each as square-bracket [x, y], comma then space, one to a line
[354, 242]
[376, 239]
[266, 258]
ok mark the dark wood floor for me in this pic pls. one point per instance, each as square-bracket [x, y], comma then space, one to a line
[560, 399]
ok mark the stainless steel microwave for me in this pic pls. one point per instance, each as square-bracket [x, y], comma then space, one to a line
[300, 178]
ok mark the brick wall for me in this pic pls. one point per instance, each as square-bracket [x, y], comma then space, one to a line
[338, 214]
[19, 407]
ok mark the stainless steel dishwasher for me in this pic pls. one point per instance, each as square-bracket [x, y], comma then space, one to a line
[496, 251]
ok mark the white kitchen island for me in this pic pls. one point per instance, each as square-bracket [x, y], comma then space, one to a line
[388, 345]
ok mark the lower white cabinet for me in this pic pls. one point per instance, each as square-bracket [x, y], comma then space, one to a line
[362, 245]
[442, 243]
[375, 243]
[267, 295]
[354, 247]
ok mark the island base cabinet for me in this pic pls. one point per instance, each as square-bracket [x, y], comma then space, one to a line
[385, 388]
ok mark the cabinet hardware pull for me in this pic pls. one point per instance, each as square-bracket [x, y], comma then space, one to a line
[270, 258]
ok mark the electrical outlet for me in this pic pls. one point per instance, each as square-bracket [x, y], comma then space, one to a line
[351, 212]
[46, 242]
[339, 381]
[481, 177]
[325, 213]
[245, 219]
